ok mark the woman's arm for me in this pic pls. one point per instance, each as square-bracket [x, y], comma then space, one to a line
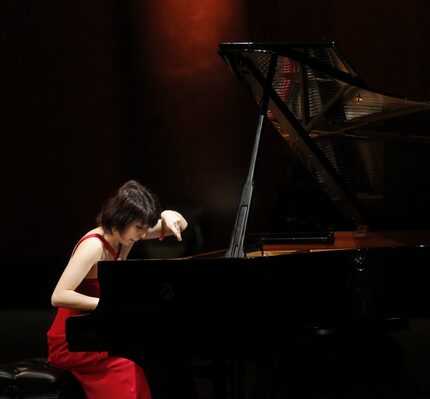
[86, 256]
[170, 223]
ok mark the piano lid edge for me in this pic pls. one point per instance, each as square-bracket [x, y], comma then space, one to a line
[346, 240]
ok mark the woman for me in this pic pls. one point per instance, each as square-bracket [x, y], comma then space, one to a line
[132, 214]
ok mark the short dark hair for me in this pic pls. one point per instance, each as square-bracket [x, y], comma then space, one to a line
[133, 201]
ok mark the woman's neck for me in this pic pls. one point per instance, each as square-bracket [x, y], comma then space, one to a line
[113, 238]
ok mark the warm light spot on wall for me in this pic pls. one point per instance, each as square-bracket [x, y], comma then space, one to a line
[183, 36]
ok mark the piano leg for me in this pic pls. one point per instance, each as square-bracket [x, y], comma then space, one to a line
[170, 378]
[349, 365]
[238, 379]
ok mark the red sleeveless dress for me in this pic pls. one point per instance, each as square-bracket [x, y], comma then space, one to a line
[102, 376]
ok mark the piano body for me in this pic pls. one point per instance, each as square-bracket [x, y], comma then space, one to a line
[368, 151]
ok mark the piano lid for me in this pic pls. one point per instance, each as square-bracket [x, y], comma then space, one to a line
[369, 151]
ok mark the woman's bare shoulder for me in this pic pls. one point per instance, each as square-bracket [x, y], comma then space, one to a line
[88, 243]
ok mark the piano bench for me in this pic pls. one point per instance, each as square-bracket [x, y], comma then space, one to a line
[35, 378]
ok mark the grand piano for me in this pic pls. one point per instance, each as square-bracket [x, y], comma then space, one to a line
[368, 152]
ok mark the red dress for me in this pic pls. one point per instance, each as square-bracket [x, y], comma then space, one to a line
[102, 376]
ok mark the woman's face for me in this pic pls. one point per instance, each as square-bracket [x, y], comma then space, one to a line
[135, 231]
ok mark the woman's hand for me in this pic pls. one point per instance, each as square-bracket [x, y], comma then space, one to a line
[172, 223]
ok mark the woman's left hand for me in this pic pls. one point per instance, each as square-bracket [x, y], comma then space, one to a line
[172, 222]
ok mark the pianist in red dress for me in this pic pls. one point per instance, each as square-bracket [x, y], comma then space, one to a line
[132, 214]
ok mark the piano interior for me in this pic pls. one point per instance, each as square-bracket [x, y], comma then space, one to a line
[366, 150]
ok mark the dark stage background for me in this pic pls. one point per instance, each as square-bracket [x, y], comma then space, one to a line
[95, 93]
